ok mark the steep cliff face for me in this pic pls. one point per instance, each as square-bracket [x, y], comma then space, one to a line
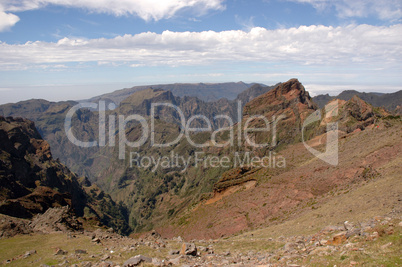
[285, 107]
[290, 96]
[31, 181]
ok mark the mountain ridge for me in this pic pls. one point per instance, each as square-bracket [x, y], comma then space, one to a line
[204, 91]
[390, 101]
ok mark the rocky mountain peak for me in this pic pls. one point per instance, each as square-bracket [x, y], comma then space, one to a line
[285, 95]
[293, 89]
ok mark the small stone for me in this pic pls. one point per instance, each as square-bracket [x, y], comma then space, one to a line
[321, 251]
[352, 232]
[348, 225]
[225, 262]
[374, 235]
[386, 245]
[188, 249]
[96, 240]
[80, 251]
[61, 252]
[174, 252]
[105, 257]
[175, 261]
[29, 253]
[105, 264]
[157, 262]
[136, 260]
[289, 247]
[338, 239]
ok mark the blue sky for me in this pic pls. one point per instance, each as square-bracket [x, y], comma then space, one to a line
[69, 49]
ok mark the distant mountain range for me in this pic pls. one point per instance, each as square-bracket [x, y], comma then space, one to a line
[391, 101]
[204, 91]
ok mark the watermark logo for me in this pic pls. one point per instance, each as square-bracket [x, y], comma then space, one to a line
[182, 163]
[240, 133]
[244, 131]
[330, 155]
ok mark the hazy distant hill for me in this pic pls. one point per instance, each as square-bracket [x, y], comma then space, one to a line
[204, 91]
[254, 91]
[389, 101]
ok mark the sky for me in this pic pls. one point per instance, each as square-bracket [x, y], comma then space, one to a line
[76, 49]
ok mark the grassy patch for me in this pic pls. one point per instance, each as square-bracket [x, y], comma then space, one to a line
[45, 246]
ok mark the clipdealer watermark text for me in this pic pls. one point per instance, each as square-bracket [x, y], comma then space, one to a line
[176, 161]
[243, 131]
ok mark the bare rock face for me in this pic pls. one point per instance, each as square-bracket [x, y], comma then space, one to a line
[32, 182]
[286, 106]
[11, 226]
[355, 114]
[233, 177]
[290, 94]
[55, 219]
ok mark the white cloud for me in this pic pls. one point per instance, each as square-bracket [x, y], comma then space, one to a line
[306, 45]
[7, 20]
[383, 9]
[5, 89]
[145, 9]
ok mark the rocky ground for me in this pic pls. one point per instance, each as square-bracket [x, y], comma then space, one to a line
[375, 242]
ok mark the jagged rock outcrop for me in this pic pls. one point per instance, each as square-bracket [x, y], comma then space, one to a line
[286, 107]
[234, 177]
[353, 114]
[32, 182]
[55, 219]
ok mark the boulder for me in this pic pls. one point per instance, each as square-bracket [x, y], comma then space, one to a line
[338, 239]
[61, 252]
[136, 260]
[188, 249]
[174, 252]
